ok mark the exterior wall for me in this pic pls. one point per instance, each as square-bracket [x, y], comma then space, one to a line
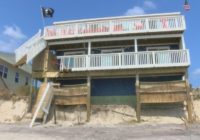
[10, 80]
[117, 91]
[109, 90]
[113, 91]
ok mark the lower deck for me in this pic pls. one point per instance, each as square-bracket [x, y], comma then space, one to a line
[117, 90]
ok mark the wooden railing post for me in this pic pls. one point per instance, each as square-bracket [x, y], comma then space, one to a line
[120, 60]
[88, 98]
[154, 58]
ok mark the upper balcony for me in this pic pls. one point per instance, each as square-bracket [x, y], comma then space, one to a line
[128, 60]
[153, 23]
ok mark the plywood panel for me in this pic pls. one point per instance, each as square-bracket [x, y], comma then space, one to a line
[162, 98]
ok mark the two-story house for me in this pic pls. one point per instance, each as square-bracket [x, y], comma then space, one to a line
[111, 55]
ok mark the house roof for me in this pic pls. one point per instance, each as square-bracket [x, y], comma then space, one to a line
[10, 58]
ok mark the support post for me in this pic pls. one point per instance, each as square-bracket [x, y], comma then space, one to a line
[89, 53]
[88, 98]
[136, 50]
[46, 61]
[30, 96]
[183, 42]
[138, 105]
[54, 112]
[135, 45]
[189, 99]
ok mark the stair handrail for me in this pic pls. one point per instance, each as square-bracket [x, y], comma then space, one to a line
[40, 105]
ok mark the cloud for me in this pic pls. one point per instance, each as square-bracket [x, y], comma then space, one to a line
[136, 10]
[8, 46]
[140, 10]
[150, 5]
[196, 72]
[13, 32]
[10, 38]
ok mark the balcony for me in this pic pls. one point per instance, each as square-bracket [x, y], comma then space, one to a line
[115, 26]
[126, 60]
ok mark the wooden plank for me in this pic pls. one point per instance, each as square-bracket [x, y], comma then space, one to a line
[162, 98]
[138, 105]
[76, 100]
[88, 98]
[160, 91]
[109, 73]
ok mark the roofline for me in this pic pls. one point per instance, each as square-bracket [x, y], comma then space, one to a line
[117, 17]
[16, 67]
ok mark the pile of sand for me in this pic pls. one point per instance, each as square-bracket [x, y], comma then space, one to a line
[118, 114]
[196, 104]
[5, 93]
[102, 115]
[12, 111]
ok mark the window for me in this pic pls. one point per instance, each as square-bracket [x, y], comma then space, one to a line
[1, 70]
[26, 80]
[163, 48]
[112, 51]
[5, 73]
[17, 77]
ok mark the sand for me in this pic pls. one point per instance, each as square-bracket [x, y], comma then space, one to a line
[118, 114]
[15, 111]
[196, 104]
[12, 111]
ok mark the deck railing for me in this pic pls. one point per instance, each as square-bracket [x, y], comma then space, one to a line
[126, 60]
[31, 47]
[115, 26]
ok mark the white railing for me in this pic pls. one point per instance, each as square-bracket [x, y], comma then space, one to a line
[115, 26]
[30, 48]
[125, 60]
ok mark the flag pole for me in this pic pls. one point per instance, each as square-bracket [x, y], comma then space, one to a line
[43, 21]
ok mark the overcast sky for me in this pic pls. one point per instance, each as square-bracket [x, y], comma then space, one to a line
[20, 19]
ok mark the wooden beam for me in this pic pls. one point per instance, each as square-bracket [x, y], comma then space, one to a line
[109, 73]
[21, 62]
[149, 36]
[138, 105]
[88, 98]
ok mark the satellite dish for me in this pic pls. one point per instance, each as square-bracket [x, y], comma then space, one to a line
[186, 6]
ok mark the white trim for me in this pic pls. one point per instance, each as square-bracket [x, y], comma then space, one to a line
[113, 39]
[135, 45]
[159, 48]
[183, 42]
[40, 105]
[118, 17]
[89, 48]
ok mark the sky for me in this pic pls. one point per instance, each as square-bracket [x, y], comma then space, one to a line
[21, 19]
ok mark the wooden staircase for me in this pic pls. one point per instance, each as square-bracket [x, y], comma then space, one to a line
[62, 96]
[43, 103]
